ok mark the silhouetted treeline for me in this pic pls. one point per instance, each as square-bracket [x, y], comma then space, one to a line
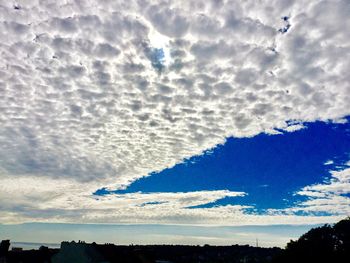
[16, 255]
[328, 243]
[81, 252]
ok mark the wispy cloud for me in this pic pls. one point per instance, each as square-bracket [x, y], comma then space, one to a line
[328, 198]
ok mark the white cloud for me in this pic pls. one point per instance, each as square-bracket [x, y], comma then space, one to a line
[329, 162]
[329, 197]
[82, 106]
[45, 202]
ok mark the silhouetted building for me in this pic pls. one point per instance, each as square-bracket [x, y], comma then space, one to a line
[80, 252]
[4, 248]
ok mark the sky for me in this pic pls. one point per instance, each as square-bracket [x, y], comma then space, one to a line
[173, 119]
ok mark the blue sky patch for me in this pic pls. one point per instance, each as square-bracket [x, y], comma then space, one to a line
[156, 57]
[269, 168]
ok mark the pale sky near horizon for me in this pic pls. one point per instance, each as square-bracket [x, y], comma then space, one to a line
[146, 112]
[54, 234]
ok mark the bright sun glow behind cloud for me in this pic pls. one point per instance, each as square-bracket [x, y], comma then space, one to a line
[161, 42]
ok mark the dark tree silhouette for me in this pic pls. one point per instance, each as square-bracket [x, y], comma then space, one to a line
[322, 244]
[342, 232]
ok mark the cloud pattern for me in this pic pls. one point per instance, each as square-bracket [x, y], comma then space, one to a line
[330, 197]
[87, 101]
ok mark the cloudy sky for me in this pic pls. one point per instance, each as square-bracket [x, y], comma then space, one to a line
[208, 114]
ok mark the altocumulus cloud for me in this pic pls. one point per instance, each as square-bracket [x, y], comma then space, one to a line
[83, 104]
